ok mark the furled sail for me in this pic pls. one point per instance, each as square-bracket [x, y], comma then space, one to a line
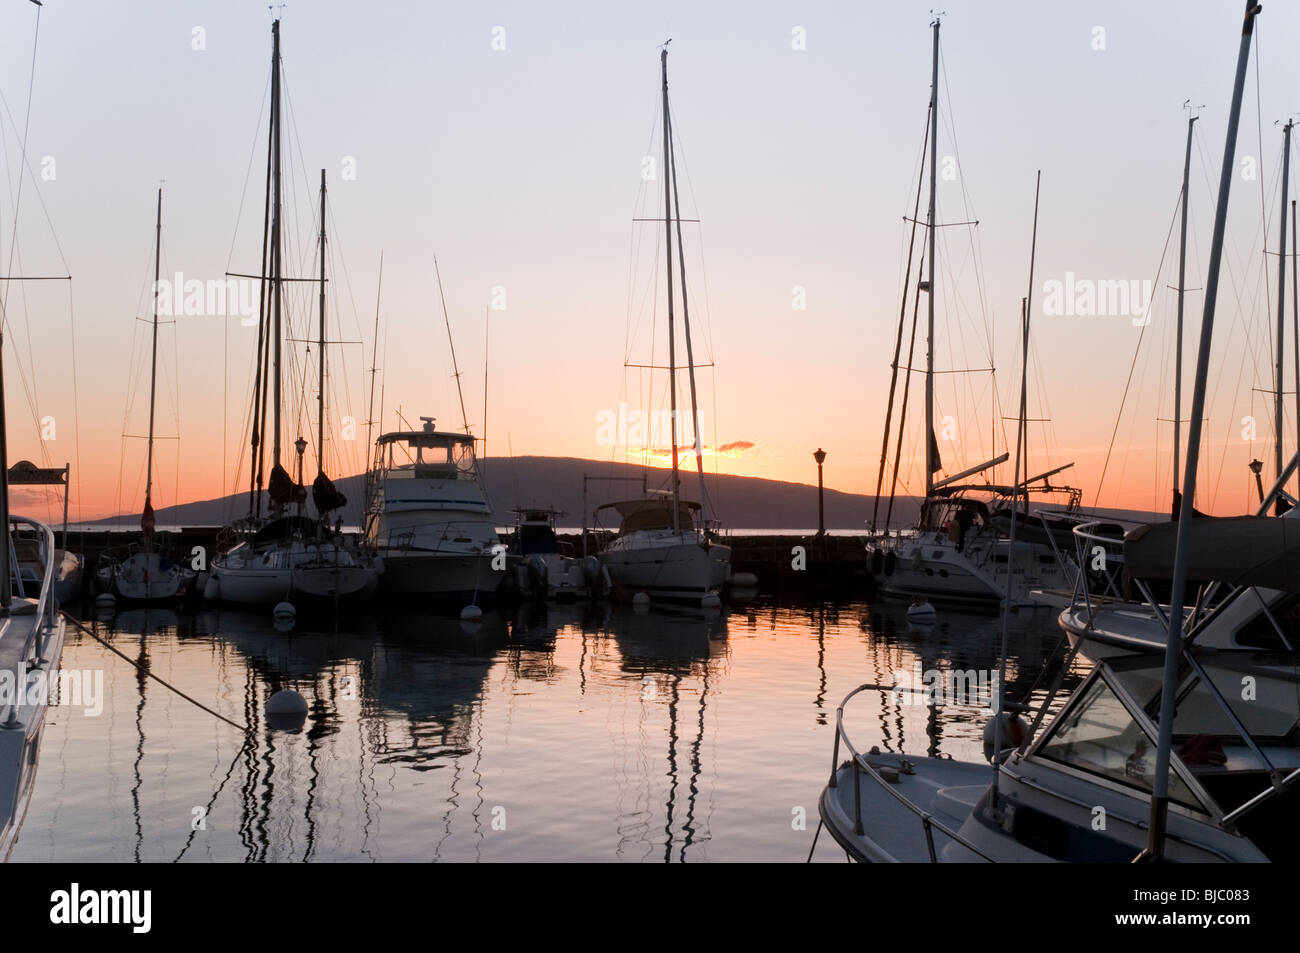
[282, 489]
[325, 495]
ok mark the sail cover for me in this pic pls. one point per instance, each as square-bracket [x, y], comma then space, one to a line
[325, 495]
[282, 489]
[1238, 550]
[147, 521]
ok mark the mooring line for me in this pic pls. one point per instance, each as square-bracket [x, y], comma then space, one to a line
[81, 626]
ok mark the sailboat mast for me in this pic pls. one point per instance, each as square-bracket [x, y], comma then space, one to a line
[374, 361]
[1173, 646]
[275, 231]
[1295, 325]
[668, 238]
[153, 364]
[929, 337]
[1278, 396]
[686, 331]
[320, 397]
[1182, 290]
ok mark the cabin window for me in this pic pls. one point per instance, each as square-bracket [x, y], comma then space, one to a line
[1259, 632]
[1098, 735]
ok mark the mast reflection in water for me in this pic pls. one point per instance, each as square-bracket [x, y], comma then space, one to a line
[545, 733]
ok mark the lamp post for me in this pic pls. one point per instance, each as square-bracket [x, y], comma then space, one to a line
[1255, 467]
[301, 446]
[820, 456]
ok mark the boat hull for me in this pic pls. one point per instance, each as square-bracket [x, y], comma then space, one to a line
[672, 568]
[441, 575]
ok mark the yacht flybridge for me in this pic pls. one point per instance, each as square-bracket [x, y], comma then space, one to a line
[428, 518]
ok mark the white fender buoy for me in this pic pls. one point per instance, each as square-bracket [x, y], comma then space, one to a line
[641, 600]
[105, 600]
[286, 710]
[284, 612]
[710, 601]
[471, 614]
[1014, 731]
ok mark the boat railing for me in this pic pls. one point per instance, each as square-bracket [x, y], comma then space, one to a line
[929, 822]
[1087, 540]
[45, 618]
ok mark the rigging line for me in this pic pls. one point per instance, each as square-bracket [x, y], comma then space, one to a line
[898, 340]
[146, 670]
[248, 172]
[907, 387]
[967, 208]
[1263, 206]
[680, 145]
[451, 345]
[1136, 350]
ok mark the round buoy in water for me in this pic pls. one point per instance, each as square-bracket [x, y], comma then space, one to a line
[710, 601]
[744, 580]
[471, 614]
[284, 612]
[105, 600]
[641, 600]
[286, 710]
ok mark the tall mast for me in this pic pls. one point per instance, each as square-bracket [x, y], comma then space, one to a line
[1182, 289]
[320, 397]
[1173, 646]
[686, 328]
[1295, 327]
[275, 229]
[153, 366]
[374, 360]
[668, 237]
[929, 337]
[1021, 431]
[1278, 396]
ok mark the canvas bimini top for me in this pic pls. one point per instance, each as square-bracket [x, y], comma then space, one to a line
[653, 514]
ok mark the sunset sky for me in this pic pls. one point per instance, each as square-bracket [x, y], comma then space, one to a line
[508, 140]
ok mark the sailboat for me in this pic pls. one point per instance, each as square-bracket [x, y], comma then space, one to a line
[958, 552]
[665, 546]
[287, 556]
[1231, 614]
[147, 574]
[31, 646]
[1181, 763]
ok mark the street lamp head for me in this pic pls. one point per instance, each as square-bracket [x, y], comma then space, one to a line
[300, 445]
[1256, 466]
[820, 456]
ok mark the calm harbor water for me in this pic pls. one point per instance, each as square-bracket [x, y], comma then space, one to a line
[567, 733]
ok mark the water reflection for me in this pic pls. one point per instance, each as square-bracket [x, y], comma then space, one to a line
[542, 732]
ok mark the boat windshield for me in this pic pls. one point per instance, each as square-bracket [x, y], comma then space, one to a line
[430, 457]
[1098, 735]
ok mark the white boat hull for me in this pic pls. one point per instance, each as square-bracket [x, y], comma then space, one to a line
[668, 567]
